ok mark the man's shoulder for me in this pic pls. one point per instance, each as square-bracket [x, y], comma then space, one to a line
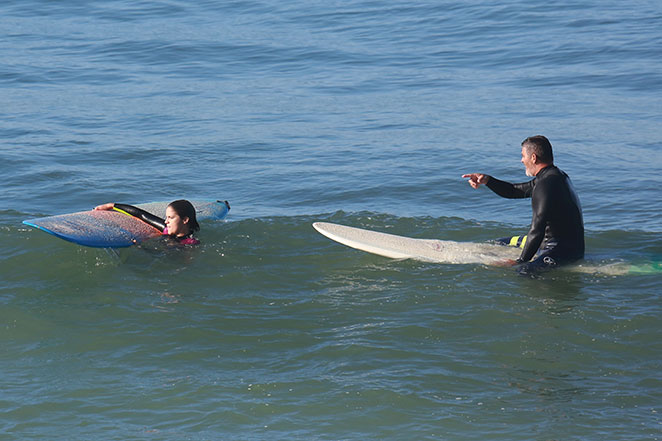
[552, 173]
[549, 177]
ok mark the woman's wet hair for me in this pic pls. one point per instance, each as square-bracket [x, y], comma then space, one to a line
[184, 208]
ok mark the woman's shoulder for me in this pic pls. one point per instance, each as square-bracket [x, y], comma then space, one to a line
[190, 241]
[187, 240]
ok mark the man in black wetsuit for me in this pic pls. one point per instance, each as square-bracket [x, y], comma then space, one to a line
[557, 226]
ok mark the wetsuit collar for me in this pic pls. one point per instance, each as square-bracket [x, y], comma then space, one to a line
[544, 169]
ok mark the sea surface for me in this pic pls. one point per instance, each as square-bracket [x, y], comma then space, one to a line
[364, 113]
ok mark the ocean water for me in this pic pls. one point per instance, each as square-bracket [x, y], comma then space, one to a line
[364, 113]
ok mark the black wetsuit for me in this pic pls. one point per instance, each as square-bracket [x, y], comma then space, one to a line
[143, 215]
[557, 226]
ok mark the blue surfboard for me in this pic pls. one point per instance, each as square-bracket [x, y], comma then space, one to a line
[112, 229]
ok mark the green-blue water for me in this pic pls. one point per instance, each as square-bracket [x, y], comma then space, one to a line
[364, 114]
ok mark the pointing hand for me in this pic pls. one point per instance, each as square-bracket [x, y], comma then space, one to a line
[477, 179]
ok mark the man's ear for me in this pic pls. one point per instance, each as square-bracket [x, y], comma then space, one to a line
[534, 158]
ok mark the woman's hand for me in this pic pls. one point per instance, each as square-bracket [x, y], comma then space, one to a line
[108, 206]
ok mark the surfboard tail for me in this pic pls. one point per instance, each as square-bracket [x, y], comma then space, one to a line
[646, 268]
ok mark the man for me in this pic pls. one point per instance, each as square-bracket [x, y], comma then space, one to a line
[557, 226]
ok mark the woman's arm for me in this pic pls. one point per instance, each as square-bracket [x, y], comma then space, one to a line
[139, 213]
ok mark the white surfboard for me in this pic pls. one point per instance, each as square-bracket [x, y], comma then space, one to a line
[429, 250]
[451, 252]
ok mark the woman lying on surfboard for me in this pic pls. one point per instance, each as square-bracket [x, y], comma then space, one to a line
[179, 224]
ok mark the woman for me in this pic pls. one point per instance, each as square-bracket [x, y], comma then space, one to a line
[179, 224]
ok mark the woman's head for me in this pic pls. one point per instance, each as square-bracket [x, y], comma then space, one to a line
[180, 218]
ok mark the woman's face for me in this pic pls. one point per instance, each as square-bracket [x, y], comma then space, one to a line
[176, 225]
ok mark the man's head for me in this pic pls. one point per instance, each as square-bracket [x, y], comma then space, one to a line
[536, 154]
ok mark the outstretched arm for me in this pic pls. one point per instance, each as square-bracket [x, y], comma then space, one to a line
[502, 188]
[141, 214]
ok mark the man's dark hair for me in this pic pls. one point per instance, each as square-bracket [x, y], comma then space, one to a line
[541, 147]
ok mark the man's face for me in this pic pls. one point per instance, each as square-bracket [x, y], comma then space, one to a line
[529, 161]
